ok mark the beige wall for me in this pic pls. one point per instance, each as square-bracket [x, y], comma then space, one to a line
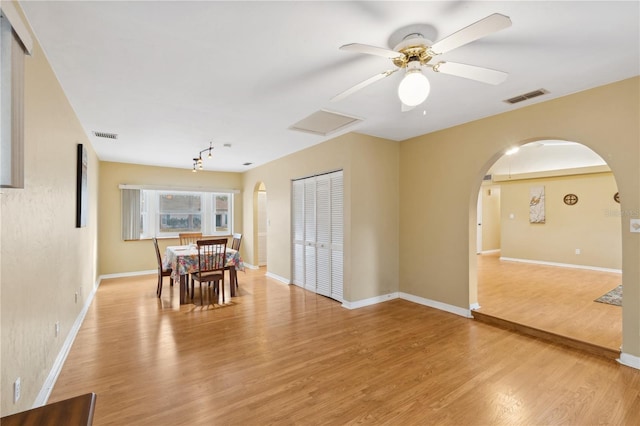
[45, 259]
[490, 217]
[371, 244]
[592, 225]
[441, 175]
[118, 256]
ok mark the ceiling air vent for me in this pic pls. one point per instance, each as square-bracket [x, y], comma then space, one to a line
[526, 96]
[247, 164]
[324, 122]
[105, 135]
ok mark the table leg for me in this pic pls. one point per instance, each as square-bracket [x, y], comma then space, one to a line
[232, 281]
[184, 281]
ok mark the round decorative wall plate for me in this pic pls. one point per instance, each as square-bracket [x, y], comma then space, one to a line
[616, 197]
[570, 199]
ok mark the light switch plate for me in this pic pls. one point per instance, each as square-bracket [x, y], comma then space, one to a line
[635, 225]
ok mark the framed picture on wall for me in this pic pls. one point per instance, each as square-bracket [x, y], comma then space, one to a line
[536, 205]
[82, 187]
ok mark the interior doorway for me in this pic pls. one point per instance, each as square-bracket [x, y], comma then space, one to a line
[262, 224]
[539, 274]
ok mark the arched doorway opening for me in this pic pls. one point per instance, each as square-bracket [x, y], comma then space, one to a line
[549, 242]
[260, 224]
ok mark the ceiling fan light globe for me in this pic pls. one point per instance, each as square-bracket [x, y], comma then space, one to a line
[414, 88]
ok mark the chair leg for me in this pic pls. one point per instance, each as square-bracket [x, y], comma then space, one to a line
[159, 289]
[201, 298]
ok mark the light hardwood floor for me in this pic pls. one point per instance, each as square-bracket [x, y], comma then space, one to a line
[551, 298]
[281, 355]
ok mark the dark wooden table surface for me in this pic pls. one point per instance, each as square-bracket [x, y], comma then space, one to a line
[70, 412]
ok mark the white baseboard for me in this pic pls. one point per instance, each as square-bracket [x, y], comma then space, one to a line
[277, 277]
[629, 360]
[490, 251]
[437, 305]
[562, 265]
[128, 274]
[50, 381]
[371, 301]
[411, 298]
[250, 266]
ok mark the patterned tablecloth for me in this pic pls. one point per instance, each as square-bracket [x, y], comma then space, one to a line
[183, 260]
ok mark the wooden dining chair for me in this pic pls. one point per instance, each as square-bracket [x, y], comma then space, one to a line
[162, 271]
[211, 263]
[235, 244]
[187, 238]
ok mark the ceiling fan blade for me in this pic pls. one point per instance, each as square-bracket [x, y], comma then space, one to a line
[371, 50]
[479, 29]
[362, 85]
[472, 72]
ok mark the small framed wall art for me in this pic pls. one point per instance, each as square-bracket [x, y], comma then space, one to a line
[82, 187]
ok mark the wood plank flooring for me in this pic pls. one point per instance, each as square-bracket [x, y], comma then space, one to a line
[550, 298]
[281, 355]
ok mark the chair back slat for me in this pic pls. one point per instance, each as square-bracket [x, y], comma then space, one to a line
[158, 258]
[212, 255]
[235, 242]
[189, 237]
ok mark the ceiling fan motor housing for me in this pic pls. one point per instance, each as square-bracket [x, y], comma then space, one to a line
[413, 48]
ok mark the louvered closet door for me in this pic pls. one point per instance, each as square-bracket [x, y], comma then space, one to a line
[323, 235]
[318, 233]
[297, 201]
[310, 234]
[337, 235]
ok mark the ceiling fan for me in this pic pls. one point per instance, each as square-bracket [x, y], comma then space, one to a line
[415, 52]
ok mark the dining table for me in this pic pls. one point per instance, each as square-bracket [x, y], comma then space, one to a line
[183, 261]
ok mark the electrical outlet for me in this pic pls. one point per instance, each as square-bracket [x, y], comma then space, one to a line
[57, 328]
[578, 251]
[16, 390]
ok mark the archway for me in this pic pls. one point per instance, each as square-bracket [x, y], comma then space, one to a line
[260, 224]
[547, 271]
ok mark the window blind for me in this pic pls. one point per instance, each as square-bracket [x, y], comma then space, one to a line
[130, 214]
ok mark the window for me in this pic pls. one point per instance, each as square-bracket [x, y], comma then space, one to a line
[165, 213]
[15, 42]
[179, 212]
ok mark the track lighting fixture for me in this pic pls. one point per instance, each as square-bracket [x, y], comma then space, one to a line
[197, 161]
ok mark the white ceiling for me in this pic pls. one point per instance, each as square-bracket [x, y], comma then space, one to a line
[169, 77]
[546, 155]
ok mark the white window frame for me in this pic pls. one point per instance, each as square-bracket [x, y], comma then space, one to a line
[150, 212]
[15, 43]
[139, 218]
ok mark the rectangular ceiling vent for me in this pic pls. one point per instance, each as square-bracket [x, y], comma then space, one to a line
[324, 123]
[105, 135]
[526, 96]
